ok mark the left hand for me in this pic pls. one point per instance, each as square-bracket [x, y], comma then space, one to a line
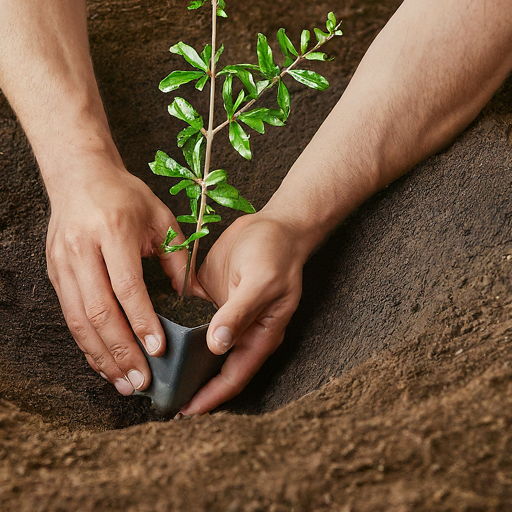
[254, 272]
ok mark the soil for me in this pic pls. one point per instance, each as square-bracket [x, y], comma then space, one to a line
[393, 387]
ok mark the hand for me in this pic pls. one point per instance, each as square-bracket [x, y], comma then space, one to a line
[254, 271]
[103, 221]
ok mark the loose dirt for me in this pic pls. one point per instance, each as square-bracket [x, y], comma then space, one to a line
[393, 387]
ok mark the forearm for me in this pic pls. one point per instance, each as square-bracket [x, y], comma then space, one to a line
[47, 75]
[424, 79]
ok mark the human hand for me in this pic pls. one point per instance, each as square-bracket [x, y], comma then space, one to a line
[254, 272]
[103, 221]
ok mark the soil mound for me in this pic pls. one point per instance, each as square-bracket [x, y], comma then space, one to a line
[393, 388]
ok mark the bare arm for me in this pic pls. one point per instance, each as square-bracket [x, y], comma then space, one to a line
[424, 79]
[103, 218]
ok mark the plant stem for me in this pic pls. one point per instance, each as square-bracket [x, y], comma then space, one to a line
[187, 272]
[191, 264]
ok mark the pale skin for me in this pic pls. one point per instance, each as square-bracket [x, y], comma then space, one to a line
[424, 79]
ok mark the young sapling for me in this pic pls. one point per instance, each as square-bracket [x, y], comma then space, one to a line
[196, 140]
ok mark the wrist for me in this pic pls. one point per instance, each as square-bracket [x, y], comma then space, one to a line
[73, 166]
[303, 238]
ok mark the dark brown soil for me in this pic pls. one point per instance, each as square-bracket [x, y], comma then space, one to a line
[397, 367]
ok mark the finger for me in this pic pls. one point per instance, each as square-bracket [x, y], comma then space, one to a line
[127, 281]
[95, 367]
[245, 360]
[243, 307]
[107, 319]
[85, 336]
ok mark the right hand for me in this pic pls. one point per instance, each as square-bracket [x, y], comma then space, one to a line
[254, 272]
[103, 221]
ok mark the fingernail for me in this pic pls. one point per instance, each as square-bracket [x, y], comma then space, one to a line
[104, 376]
[136, 378]
[124, 387]
[223, 338]
[152, 343]
[188, 411]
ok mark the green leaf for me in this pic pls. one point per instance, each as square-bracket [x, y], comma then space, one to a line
[206, 55]
[331, 22]
[166, 166]
[193, 192]
[180, 186]
[218, 54]
[228, 196]
[320, 36]
[237, 67]
[194, 236]
[190, 55]
[215, 177]
[338, 33]
[171, 235]
[255, 124]
[195, 4]
[202, 82]
[193, 205]
[211, 218]
[188, 150]
[177, 78]
[240, 140]
[317, 56]
[197, 156]
[226, 191]
[185, 245]
[270, 116]
[187, 219]
[310, 78]
[286, 47]
[283, 99]
[265, 57]
[304, 41]
[248, 81]
[174, 248]
[185, 134]
[227, 95]
[209, 209]
[184, 111]
[262, 85]
[221, 5]
[239, 100]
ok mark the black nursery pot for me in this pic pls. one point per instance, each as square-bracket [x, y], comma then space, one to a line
[186, 366]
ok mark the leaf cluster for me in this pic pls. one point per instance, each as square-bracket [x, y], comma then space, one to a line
[243, 85]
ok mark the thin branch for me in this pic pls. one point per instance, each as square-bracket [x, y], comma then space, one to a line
[209, 141]
[275, 80]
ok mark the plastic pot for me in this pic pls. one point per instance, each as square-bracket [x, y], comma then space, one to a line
[186, 366]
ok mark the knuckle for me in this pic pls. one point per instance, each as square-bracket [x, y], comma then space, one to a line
[102, 361]
[77, 327]
[56, 255]
[98, 314]
[233, 384]
[128, 286]
[140, 328]
[120, 352]
[74, 241]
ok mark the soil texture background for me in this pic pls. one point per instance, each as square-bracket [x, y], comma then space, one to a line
[393, 387]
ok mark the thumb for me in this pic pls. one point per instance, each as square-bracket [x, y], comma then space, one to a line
[240, 311]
